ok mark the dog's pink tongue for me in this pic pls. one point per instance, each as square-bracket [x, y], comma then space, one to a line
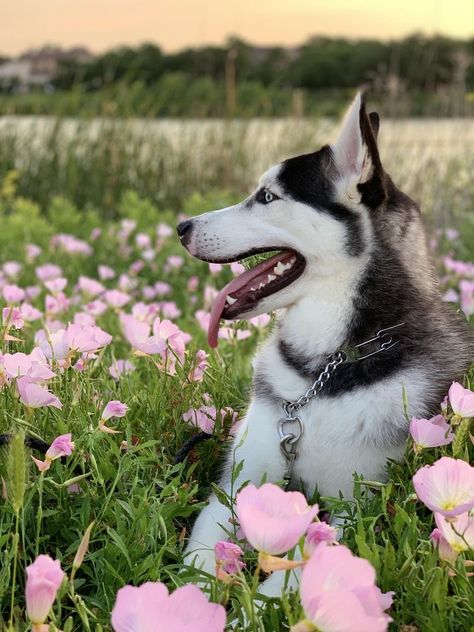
[219, 303]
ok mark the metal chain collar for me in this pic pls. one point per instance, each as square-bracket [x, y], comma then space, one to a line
[289, 439]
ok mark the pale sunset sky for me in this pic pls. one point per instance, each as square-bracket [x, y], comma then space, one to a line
[173, 24]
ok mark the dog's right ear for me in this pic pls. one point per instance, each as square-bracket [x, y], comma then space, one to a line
[356, 156]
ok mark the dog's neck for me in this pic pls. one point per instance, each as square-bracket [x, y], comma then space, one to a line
[317, 324]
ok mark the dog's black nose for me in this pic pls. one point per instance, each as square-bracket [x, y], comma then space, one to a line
[184, 231]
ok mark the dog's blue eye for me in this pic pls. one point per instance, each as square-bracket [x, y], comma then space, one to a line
[265, 197]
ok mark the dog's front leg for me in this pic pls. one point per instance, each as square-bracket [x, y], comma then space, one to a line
[256, 446]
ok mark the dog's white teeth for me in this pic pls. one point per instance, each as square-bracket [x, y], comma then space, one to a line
[291, 262]
[271, 277]
[261, 285]
[230, 299]
[281, 268]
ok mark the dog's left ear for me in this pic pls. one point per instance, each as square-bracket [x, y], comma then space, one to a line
[356, 155]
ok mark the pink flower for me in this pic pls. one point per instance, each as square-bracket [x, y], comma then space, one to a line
[33, 395]
[446, 487]
[117, 299]
[12, 317]
[467, 296]
[30, 313]
[143, 240]
[61, 446]
[145, 313]
[34, 365]
[53, 345]
[149, 254]
[445, 551]
[228, 557]
[237, 268]
[71, 244]
[458, 534]
[452, 234]
[43, 579]
[169, 309]
[203, 418]
[12, 268]
[162, 288]
[138, 335]
[84, 319]
[114, 409]
[88, 338]
[174, 261]
[317, 533]
[91, 287]
[56, 285]
[338, 592]
[431, 433]
[210, 293]
[459, 267]
[149, 608]
[215, 268]
[461, 400]
[148, 292]
[120, 367]
[13, 294]
[32, 292]
[56, 304]
[164, 230]
[200, 366]
[450, 296]
[272, 520]
[193, 283]
[96, 308]
[168, 332]
[260, 321]
[48, 271]
[32, 251]
[227, 333]
[106, 273]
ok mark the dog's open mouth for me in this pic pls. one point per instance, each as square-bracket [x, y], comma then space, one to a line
[244, 292]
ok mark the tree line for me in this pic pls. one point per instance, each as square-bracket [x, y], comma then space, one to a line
[423, 75]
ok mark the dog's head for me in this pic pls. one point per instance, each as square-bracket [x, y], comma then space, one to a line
[315, 210]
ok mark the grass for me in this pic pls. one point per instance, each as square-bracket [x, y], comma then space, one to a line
[142, 505]
[168, 161]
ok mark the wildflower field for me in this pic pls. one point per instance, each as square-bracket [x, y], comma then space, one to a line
[105, 374]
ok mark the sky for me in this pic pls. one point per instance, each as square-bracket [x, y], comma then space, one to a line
[174, 24]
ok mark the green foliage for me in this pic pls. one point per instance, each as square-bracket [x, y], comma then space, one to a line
[417, 75]
[142, 505]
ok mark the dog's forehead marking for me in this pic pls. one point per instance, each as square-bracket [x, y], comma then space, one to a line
[270, 177]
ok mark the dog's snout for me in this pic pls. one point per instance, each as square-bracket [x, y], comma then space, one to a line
[184, 231]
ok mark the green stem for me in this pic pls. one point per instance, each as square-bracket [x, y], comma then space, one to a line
[16, 539]
[39, 515]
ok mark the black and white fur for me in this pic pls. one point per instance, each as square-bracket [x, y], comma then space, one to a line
[367, 267]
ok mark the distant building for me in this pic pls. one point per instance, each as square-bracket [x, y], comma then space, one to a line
[39, 67]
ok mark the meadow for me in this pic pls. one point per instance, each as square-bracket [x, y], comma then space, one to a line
[100, 304]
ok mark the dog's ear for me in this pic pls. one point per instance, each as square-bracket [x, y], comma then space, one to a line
[374, 123]
[356, 155]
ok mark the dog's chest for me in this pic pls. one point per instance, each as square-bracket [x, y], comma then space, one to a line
[355, 431]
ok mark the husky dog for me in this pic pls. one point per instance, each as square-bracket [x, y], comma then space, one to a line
[352, 260]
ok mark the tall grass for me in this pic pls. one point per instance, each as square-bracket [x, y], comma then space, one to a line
[95, 162]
